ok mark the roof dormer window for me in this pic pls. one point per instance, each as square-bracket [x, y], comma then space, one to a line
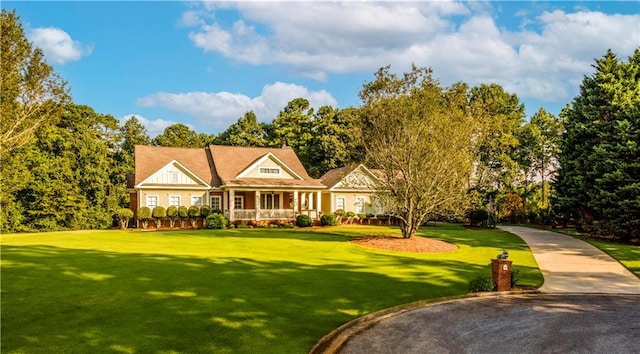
[269, 170]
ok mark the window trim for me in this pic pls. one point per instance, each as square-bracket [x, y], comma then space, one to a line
[344, 203]
[174, 177]
[201, 200]
[219, 198]
[146, 200]
[358, 205]
[175, 196]
[241, 197]
[269, 170]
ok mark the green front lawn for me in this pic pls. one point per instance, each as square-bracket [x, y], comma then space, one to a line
[625, 254]
[233, 291]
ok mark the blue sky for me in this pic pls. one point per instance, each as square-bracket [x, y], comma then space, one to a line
[206, 63]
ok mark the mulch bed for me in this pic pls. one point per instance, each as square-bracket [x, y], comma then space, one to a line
[415, 244]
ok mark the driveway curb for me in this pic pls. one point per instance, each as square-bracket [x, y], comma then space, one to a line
[336, 339]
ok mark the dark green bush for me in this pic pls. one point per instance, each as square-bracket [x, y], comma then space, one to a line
[216, 211]
[328, 220]
[144, 214]
[123, 215]
[350, 214]
[205, 211]
[159, 213]
[194, 213]
[183, 214]
[303, 221]
[481, 284]
[172, 214]
[216, 221]
[478, 216]
[515, 277]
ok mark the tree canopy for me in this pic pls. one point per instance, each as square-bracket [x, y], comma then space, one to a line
[420, 137]
[31, 93]
[598, 182]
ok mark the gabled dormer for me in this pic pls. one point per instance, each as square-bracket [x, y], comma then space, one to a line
[173, 174]
[269, 166]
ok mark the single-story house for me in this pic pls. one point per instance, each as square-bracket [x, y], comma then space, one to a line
[351, 188]
[245, 183]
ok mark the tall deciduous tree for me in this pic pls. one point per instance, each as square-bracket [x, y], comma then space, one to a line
[500, 115]
[419, 135]
[599, 176]
[178, 135]
[71, 170]
[31, 93]
[247, 131]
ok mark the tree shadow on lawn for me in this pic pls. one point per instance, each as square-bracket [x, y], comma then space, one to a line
[67, 300]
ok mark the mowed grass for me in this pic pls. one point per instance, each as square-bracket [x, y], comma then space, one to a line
[628, 255]
[231, 291]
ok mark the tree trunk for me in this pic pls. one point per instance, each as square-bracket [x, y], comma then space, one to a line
[408, 228]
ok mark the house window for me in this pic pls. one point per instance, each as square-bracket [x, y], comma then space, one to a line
[216, 202]
[359, 205]
[269, 170]
[174, 200]
[270, 201]
[340, 203]
[378, 206]
[196, 200]
[152, 201]
[238, 202]
[173, 177]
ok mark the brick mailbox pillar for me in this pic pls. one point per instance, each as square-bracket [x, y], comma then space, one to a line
[501, 274]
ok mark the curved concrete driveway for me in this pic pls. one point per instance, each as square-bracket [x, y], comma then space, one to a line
[589, 303]
[570, 265]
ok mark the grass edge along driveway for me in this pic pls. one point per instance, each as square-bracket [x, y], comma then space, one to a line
[232, 291]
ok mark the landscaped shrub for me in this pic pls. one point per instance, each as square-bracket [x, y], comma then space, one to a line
[362, 217]
[283, 224]
[478, 216]
[481, 284]
[350, 216]
[328, 220]
[383, 218]
[172, 214]
[515, 277]
[144, 215]
[183, 214]
[205, 211]
[194, 213]
[159, 213]
[216, 211]
[216, 221]
[339, 213]
[303, 221]
[123, 215]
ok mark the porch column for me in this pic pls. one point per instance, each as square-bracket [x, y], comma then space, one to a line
[318, 203]
[333, 203]
[257, 205]
[303, 201]
[296, 207]
[224, 205]
[310, 199]
[232, 202]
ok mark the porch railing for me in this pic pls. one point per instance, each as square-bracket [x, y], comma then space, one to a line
[264, 214]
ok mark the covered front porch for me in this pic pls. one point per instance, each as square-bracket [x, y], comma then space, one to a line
[267, 204]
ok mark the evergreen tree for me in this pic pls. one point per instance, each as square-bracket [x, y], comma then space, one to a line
[599, 176]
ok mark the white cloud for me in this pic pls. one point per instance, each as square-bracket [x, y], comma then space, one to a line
[154, 127]
[218, 110]
[58, 45]
[542, 57]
